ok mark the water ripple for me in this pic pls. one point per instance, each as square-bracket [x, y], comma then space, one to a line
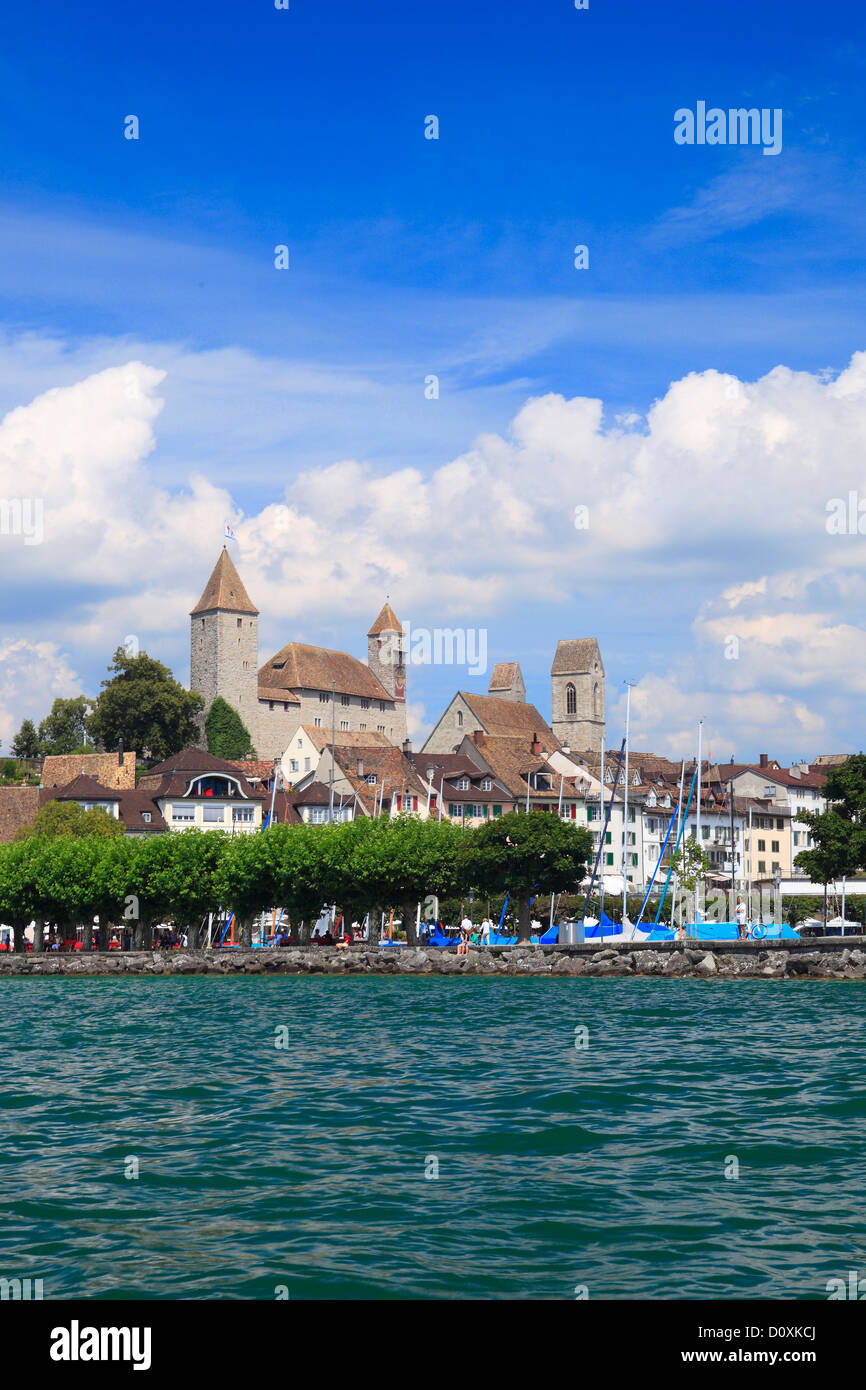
[557, 1166]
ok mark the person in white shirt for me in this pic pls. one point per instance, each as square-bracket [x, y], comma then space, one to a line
[465, 929]
[740, 914]
[485, 932]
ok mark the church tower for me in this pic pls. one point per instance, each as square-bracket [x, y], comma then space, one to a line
[577, 691]
[386, 658]
[224, 645]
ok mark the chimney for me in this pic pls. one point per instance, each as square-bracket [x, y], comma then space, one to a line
[478, 738]
[763, 760]
[407, 747]
[360, 767]
[535, 746]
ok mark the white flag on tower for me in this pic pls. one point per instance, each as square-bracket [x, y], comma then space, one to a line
[229, 533]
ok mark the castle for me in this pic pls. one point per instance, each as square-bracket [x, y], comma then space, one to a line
[577, 699]
[300, 684]
[329, 690]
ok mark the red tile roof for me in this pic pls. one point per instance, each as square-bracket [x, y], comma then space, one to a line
[510, 717]
[300, 667]
[59, 770]
[387, 621]
[224, 590]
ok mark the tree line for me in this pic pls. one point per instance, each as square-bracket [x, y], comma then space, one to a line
[363, 866]
[140, 706]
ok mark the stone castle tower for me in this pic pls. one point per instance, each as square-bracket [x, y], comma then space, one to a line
[506, 682]
[577, 694]
[224, 644]
[386, 654]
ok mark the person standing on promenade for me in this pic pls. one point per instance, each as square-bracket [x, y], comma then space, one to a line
[740, 914]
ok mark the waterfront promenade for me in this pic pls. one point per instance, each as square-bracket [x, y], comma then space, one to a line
[832, 958]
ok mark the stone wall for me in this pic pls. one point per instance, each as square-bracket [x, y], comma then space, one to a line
[837, 959]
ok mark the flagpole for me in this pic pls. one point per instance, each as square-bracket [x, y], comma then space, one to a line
[698, 831]
[629, 685]
[601, 845]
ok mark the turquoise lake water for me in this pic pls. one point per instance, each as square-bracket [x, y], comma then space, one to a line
[304, 1168]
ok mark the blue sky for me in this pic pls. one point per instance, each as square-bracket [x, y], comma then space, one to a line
[409, 257]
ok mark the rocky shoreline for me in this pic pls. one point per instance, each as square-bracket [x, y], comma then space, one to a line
[837, 959]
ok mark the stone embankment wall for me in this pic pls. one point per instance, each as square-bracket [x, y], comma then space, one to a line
[837, 959]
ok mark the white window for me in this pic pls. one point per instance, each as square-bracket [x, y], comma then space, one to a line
[145, 816]
[463, 784]
[243, 815]
[293, 764]
[318, 814]
[372, 779]
[486, 784]
[306, 764]
[214, 815]
[300, 743]
[344, 723]
[182, 811]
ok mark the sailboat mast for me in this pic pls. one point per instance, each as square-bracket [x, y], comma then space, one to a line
[625, 809]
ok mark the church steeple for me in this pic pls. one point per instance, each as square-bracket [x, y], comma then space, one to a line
[224, 591]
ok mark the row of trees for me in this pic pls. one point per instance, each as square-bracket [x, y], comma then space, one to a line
[362, 866]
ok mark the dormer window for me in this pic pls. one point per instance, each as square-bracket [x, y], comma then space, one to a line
[486, 784]
[145, 816]
[463, 784]
[372, 779]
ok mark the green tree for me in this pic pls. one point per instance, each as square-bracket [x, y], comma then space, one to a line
[525, 854]
[67, 820]
[185, 879]
[414, 858]
[839, 833]
[227, 735]
[304, 863]
[244, 881]
[18, 897]
[144, 705]
[690, 864]
[25, 744]
[65, 729]
[838, 848]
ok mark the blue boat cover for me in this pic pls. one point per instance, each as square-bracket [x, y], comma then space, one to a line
[726, 931]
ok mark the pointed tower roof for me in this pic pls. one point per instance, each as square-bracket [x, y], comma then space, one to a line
[224, 590]
[387, 621]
